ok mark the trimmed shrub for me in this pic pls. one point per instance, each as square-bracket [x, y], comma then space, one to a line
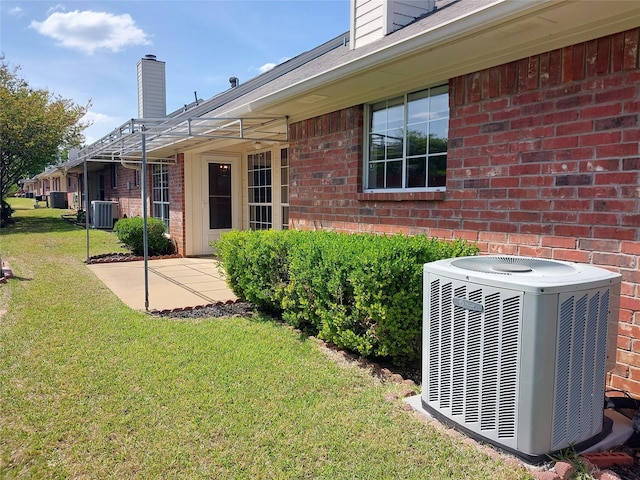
[256, 265]
[130, 232]
[387, 284]
[362, 292]
[5, 213]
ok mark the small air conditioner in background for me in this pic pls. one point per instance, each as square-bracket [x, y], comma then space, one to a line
[103, 213]
[516, 349]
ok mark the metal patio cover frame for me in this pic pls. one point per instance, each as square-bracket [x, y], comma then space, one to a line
[125, 142]
[133, 140]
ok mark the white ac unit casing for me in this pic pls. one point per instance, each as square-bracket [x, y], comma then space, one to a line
[516, 350]
[103, 213]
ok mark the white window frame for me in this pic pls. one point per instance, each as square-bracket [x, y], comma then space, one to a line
[285, 173]
[403, 100]
[160, 205]
[261, 190]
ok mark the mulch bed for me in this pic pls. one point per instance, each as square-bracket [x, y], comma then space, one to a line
[123, 257]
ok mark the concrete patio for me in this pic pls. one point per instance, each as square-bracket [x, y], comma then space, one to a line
[173, 282]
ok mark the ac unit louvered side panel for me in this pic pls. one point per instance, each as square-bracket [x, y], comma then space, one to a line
[474, 361]
[509, 356]
[581, 366]
[473, 356]
[433, 355]
[102, 214]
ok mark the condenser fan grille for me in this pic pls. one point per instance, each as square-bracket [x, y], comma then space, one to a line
[507, 265]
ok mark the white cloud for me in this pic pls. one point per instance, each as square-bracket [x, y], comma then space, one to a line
[101, 124]
[16, 11]
[58, 8]
[266, 67]
[89, 31]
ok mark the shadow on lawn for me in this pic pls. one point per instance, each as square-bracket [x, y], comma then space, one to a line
[20, 279]
[22, 225]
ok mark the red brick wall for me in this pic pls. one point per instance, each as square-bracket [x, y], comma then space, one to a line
[128, 196]
[176, 204]
[544, 160]
[325, 177]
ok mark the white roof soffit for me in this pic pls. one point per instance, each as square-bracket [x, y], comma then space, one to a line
[496, 32]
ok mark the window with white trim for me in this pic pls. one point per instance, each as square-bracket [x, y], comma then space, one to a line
[160, 187]
[260, 191]
[284, 187]
[114, 176]
[407, 142]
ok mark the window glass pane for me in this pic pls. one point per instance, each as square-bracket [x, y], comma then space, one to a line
[394, 174]
[439, 103]
[437, 171]
[438, 135]
[377, 146]
[417, 172]
[379, 117]
[376, 175]
[219, 212]
[418, 107]
[395, 143]
[417, 139]
[395, 115]
[219, 179]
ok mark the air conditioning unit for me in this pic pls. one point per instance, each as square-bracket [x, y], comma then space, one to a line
[103, 213]
[516, 349]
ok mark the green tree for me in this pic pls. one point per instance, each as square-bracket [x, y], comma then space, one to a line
[34, 125]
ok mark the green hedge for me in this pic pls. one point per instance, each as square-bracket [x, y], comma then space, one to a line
[362, 292]
[130, 232]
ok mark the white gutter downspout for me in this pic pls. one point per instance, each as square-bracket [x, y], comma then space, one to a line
[130, 166]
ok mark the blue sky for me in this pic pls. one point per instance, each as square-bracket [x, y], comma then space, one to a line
[88, 50]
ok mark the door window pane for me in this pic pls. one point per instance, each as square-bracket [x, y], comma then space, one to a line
[220, 205]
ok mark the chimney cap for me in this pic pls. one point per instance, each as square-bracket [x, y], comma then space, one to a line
[234, 81]
[149, 56]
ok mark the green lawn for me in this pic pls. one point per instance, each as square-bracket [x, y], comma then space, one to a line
[91, 389]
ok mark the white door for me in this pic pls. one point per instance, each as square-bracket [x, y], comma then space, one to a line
[221, 197]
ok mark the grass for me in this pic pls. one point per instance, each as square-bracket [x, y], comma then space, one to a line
[92, 389]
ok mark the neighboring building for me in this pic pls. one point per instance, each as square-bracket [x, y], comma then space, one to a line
[511, 124]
